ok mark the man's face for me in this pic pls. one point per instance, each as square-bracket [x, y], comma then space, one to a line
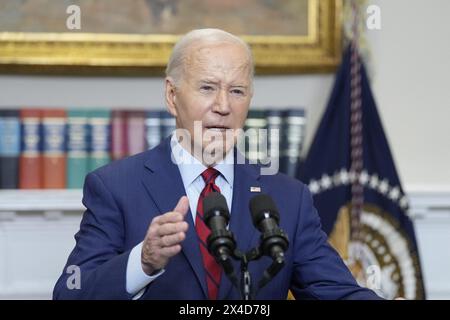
[215, 89]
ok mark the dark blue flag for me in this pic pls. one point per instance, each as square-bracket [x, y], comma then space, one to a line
[357, 192]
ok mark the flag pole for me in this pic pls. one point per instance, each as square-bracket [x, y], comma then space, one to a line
[356, 129]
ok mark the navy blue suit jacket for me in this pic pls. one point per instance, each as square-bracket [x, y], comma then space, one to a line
[123, 197]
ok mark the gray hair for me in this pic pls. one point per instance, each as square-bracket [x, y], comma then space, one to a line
[175, 65]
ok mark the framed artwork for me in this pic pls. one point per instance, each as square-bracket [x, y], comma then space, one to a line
[135, 37]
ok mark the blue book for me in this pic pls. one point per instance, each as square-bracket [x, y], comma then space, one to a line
[168, 125]
[9, 149]
[153, 129]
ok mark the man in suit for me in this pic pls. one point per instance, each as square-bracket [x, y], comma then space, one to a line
[142, 235]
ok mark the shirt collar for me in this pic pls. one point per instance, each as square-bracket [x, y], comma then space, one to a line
[190, 167]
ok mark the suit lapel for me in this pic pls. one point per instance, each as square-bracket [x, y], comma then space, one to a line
[245, 176]
[163, 182]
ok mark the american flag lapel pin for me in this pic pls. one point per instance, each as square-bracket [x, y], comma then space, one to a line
[255, 189]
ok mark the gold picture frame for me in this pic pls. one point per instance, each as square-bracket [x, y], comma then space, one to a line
[142, 54]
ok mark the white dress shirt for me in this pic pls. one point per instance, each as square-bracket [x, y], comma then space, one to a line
[190, 170]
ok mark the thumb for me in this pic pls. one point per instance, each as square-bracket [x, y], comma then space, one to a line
[182, 205]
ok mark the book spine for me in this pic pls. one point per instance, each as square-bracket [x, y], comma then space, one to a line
[77, 148]
[294, 136]
[256, 137]
[9, 149]
[167, 124]
[118, 135]
[30, 160]
[136, 132]
[274, 134]
[54, 147]
[153, 129]
[99, 138]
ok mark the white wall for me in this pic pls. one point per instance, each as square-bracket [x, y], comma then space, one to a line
[411, 63]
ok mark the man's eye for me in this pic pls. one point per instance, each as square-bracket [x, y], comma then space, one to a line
[237, 91]
[206, 88]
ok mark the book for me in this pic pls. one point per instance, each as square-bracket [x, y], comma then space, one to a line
[9, 149]
[119, 131]
[135, 132]
[256, 136]
[99, 138]
[30, 159]
[77, 148]
[274, 134]
[54, 148]
[168, 124]
[153, 129]
[293, 139]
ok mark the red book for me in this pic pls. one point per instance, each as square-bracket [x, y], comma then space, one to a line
[136, 132]
[53, 152]
[30, 161]
[119, 132]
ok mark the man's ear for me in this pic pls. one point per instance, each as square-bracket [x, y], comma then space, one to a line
[171, 98]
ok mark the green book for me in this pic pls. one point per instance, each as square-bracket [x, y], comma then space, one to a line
[77, 148]
[100, 138]
[255, 136]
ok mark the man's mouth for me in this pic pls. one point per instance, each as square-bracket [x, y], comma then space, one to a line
[217, 128]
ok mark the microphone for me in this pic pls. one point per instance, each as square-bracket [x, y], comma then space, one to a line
[221, 243]
[265, 216]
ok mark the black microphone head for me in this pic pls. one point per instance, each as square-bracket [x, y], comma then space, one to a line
[260, 205]
[213, 203]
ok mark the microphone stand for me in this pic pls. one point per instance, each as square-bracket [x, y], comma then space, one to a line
[247, 291]
[245, 286]
[246, 279]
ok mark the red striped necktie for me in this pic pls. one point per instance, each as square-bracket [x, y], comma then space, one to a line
[212, 269]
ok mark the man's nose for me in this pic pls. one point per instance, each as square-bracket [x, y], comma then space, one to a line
[222, 103]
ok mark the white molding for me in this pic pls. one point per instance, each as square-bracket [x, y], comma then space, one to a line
[41, 200]
[427, 188]
[423, 198]
[25, 290]
[432, 202]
